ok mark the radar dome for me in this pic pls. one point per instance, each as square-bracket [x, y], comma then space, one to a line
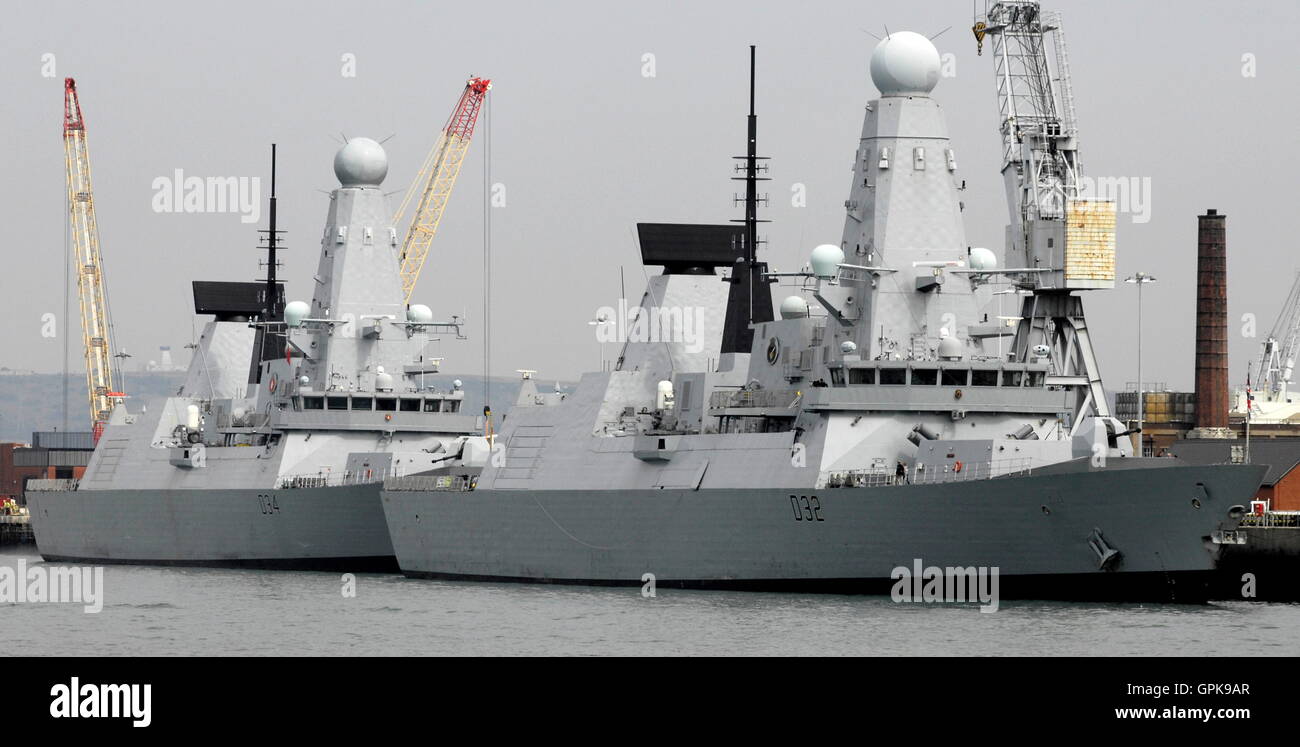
[361, 163]
[950, 348]
[794, 307]
[983, 259]
[419, 314]
[295, 312]
[905, 63]
[826, 260]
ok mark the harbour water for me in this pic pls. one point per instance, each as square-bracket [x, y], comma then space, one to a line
[182, 611]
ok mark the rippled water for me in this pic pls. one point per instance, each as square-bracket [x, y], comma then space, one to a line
[171, 611]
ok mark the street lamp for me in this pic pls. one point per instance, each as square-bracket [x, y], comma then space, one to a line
[1141, 279]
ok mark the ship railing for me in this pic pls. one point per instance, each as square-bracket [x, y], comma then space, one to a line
[770, 398]
[930, 474]
[1272, 520]
[59, 485]
[331, 479]
[426, 483]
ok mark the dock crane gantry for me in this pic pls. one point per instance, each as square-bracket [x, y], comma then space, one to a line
[95, 324]
[1279, 352]
[437, 177]
[1059, 241]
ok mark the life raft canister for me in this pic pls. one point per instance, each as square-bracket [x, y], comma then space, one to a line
[956, 466]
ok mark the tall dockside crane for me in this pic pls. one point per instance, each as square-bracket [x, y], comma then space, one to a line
[1277, 360]
[95, 325]
[1057, 242]
[437, 177]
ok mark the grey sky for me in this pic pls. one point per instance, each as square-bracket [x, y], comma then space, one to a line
[586, 146]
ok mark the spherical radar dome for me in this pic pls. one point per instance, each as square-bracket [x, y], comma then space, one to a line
[361, 163]
[905, 63]
[826, 260]
[794, 307]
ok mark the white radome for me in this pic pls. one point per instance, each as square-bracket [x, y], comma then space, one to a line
[361, 163]
[983, 259]
[419, 314]
[295, 312]
[794, 307]
[826, 260]
[905, 63]
[950, 348]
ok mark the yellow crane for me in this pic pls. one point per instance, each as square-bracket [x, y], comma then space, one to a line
[95, 327]
[436, 178]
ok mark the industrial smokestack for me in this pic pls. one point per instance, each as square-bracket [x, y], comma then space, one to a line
[1211, 321]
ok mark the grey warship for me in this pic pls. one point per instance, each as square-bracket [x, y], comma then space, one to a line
[272, 453]
[873, 425]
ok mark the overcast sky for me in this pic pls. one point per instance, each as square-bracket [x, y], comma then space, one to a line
[586, 145]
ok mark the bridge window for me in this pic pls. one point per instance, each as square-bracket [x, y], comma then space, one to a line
[1036, 378]
[955, 376]
[313, 403]
[862, 376]
[362, 403]
[336, 403]
[432, 405]
[925, 376]
[837, 377]
[983, 378]
[893, 376]
[410, 405]
[385, 404]
[1012, 378]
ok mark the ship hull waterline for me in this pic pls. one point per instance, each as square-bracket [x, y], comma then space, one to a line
[1035, 529]
[336, 528]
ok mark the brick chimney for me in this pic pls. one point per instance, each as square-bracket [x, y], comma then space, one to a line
[1211, 321]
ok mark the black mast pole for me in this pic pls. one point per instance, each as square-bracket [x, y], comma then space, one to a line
[749, 300]
[268, 345]
[272, 302]
[751, 175]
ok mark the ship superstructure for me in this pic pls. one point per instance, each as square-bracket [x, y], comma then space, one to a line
[277, 460]
[865, 429]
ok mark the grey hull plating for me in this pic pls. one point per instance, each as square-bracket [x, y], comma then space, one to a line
[330, 528]
[1031, 528]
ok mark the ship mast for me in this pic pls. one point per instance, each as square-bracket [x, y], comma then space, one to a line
[749, 301]
[269, 344]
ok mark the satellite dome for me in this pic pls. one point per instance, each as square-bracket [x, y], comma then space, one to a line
[905, 63]
[295, 312]
[950, 348]
[794, 307]
[361, 163]
[982, 259]
[826, 260]
[419, 314]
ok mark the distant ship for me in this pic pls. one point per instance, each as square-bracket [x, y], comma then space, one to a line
[273, 452]
[873, 426]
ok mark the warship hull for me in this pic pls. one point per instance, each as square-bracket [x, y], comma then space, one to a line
[336, 528]
[1035, 529]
